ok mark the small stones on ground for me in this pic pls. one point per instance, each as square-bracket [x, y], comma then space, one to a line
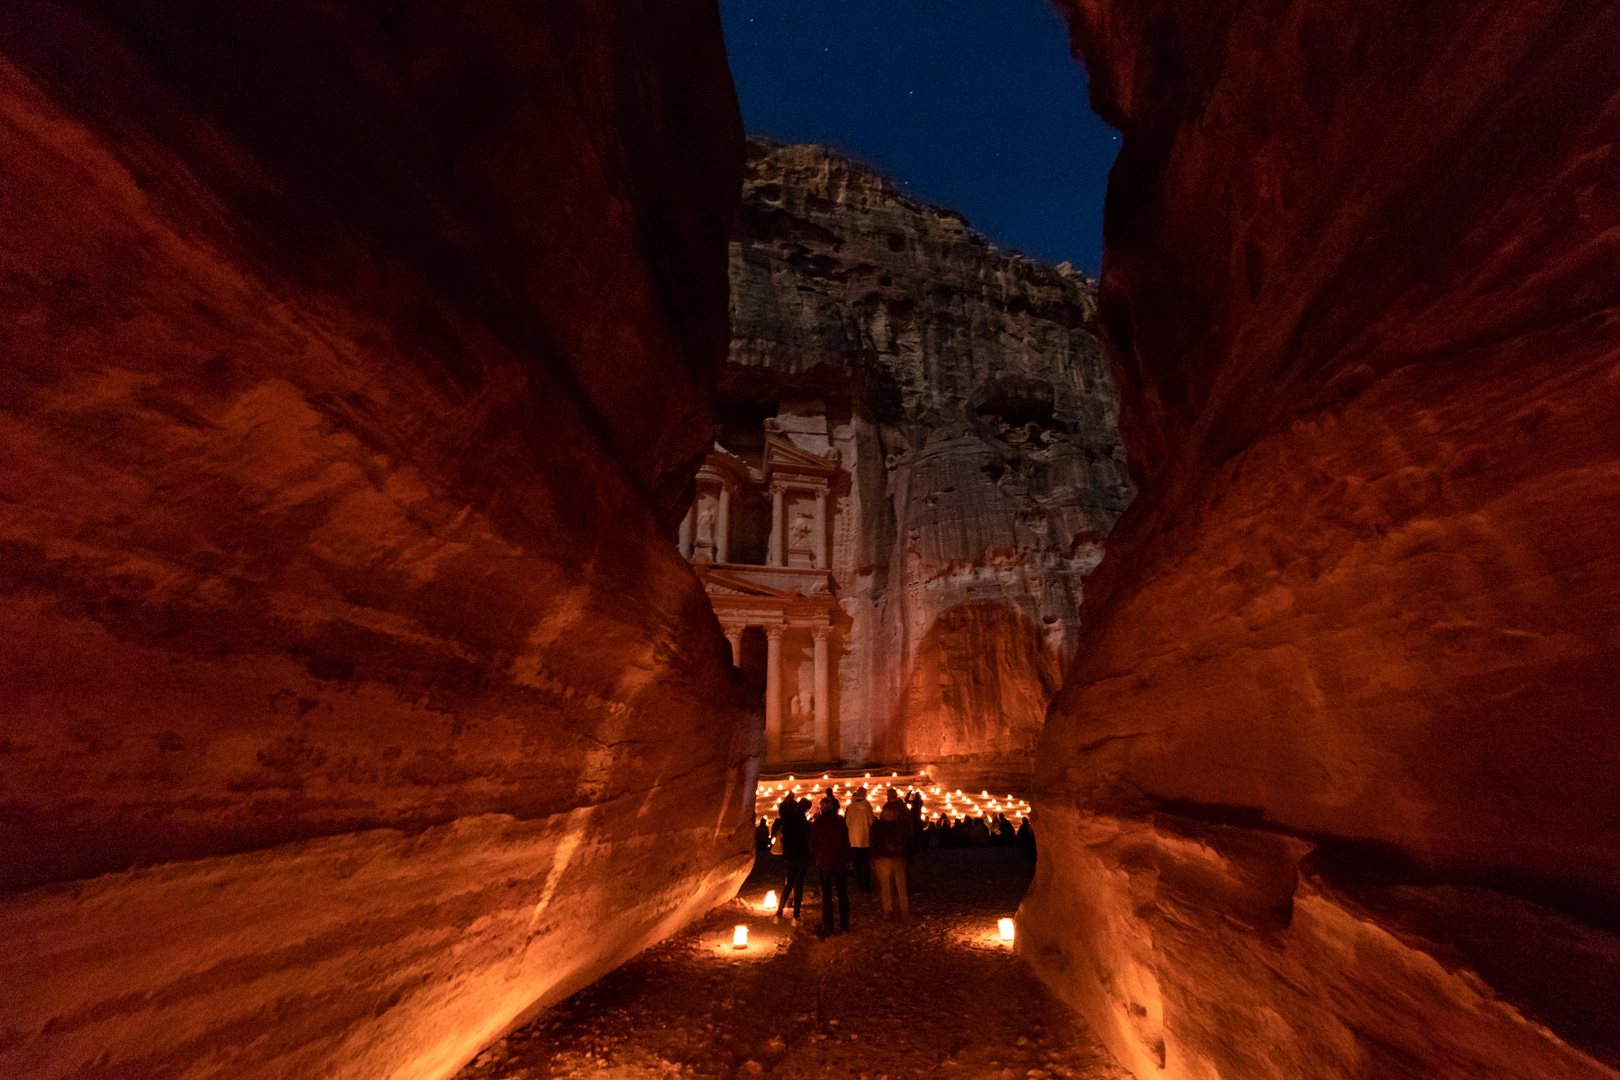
[912, 1000]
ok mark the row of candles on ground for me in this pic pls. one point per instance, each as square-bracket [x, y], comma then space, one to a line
[936, 800]
[739, 936]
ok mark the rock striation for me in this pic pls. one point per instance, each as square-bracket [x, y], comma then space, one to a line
[1329, 789]
[965, 393]
[356, 704]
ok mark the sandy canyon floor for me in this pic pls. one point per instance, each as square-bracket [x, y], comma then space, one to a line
[941, 995]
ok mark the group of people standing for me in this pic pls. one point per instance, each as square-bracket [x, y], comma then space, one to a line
[877, 844]
[997, 831]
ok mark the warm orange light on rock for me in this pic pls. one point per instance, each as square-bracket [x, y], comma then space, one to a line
[1006, 929]
[739, 937]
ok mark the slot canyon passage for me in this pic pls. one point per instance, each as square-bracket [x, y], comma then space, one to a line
[375, 680]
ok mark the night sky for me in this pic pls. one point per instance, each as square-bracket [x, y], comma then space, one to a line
[970, 104]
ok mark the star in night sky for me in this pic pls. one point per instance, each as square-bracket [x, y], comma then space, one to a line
[970, 104]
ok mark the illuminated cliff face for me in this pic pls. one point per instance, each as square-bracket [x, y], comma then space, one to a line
[976, 426]
[1341, 730]
[356, 702]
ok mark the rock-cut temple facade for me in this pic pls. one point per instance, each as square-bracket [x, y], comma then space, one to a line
[917, 458]
[775, 581]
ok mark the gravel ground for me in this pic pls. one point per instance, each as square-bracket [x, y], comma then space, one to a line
[939, 996]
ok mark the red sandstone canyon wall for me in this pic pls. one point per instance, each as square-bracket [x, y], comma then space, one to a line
[1331, 789]
[966, 394]
[356, 703]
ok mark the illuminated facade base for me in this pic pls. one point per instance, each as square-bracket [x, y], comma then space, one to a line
[791, 597]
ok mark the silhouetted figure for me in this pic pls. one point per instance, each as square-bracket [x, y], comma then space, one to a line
[916, 806]
[859, 818]
[890, 839]
[1026, 839]
[1001, 831]
[978, 832]
[829, 845]
[900, 804]
[762, 835]
[795, 849]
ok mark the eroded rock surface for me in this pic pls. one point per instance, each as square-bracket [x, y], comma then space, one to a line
[939, 994]
[356, 703]
[1329, 790]
[966, 395]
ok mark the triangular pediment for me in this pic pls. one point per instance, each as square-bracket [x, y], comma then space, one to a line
[782, 455]
[721, 462]
[734, 584]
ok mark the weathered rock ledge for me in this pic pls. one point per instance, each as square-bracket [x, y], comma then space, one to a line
[966, 394]
[1329, 789]
[356, 703]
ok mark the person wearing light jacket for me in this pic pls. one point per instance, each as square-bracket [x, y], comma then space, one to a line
[859, 819]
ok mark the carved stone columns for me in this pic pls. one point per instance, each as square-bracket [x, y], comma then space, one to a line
[823, 703]
[722, 539]
[773, 693]
[819, 541]
[686, 531]
[778, 529]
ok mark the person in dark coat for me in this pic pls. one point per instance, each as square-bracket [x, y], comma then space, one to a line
[896, 801]
[1026, 839]
[899, 804]
[829, 845]
[915, 805]
[890, 837]
[796, 850]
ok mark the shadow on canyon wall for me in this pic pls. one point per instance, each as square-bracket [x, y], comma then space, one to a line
[1352, 652]
[975, 697]
[356, 703]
